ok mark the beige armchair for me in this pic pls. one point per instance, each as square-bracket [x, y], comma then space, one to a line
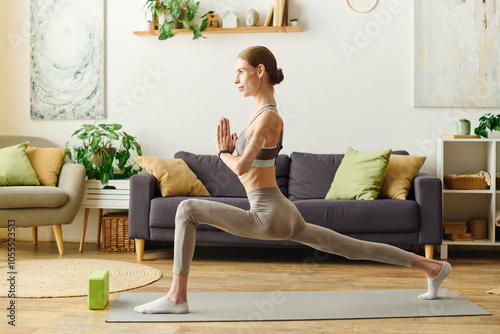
[33, 206]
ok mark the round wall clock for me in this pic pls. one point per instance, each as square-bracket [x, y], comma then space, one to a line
[362, 6]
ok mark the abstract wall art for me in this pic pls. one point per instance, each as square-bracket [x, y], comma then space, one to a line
[457, 53]
[67, 59]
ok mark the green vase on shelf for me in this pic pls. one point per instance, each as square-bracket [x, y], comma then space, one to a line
[463, 127]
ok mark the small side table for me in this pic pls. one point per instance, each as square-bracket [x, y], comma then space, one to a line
[115, 195]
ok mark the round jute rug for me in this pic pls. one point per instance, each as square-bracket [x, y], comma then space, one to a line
[69, 277]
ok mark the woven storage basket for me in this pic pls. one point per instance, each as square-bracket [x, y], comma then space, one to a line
[115, 233]
[478, 228]
[465, 182]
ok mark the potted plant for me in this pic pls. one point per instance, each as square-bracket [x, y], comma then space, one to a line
[104, 149]
[294, 22]
[463, 127]
[182, 12]
[487, 121]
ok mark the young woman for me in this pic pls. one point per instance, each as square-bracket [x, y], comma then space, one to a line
[271, 216]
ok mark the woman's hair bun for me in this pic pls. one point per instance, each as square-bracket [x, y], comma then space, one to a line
[279, 76]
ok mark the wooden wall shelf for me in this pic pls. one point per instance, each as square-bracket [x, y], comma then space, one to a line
[240, 30]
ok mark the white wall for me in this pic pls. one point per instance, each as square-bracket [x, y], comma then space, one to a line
[348, 82]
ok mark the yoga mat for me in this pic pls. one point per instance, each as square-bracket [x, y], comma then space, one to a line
[298, 305]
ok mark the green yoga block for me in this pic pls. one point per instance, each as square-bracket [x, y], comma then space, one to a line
[98, 289]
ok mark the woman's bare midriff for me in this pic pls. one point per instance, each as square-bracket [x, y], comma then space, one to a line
[258, 177]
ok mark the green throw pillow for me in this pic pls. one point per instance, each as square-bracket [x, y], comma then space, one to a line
[360, 175]
[15, 168]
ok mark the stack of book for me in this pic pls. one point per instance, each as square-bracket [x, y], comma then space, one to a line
[456, 231]
[278, 14]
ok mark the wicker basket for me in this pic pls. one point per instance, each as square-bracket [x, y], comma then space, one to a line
[465, 182]
[115, 233]
[478, 228]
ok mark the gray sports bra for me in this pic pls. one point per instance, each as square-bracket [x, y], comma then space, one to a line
[267, 155]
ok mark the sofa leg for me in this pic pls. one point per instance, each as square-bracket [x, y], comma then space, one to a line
[139, 248]
[34, 233]
[59, 238]
[429, 251]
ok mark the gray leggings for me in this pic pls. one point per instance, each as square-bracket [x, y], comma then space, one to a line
[271, 217]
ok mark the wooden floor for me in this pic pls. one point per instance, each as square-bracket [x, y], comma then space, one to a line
[251, 269]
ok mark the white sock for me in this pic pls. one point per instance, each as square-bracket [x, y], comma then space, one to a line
[435, 283]
[162, 305]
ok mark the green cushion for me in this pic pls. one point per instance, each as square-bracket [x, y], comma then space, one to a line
[360, 175]
[15, 168]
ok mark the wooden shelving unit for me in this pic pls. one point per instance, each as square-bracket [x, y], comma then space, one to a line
[239, 30]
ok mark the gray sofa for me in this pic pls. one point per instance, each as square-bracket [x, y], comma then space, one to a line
[305, 179]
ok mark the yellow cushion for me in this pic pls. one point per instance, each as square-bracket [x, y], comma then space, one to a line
[401, 171]
[174, 176]
[47, 163]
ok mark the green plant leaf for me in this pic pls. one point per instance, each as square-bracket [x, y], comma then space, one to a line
[175, 12]
[209, 12]
[196, 32]
[138, 148]
[204, 24]
[70, 156]
[166, 30]
[185, 24]
[491, 123]
[481, 132]
[95, 143]
[122, 158]
[84, 135]
[105, 178]
[126, 143]
[112, 135]
[89, 127]
[77, 132]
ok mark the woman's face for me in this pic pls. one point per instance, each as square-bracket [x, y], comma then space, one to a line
[247, 78]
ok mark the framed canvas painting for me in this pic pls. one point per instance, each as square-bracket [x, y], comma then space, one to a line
[457, 53]
[67, 59]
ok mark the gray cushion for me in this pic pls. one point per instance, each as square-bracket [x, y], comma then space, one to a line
[282, 173]
[220, 181]
[163, 210]
[31, 197]
[350, 216]
[311, 175]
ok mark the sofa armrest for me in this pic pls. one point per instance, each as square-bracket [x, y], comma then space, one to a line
[428, 195]
[71, 180]
[143, 188]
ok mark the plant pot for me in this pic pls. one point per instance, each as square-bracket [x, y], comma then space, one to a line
[294, 23]
[182, 16]
[98, 157]
[166, 16]
[463, 128]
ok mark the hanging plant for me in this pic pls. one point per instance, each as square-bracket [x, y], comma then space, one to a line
[180, 11]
